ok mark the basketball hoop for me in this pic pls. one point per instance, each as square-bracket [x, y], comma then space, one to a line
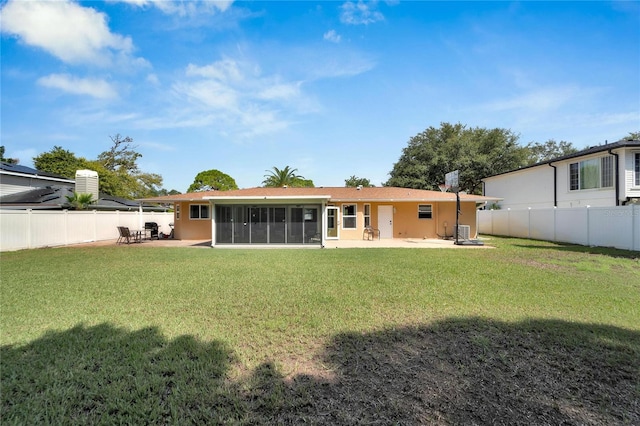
[444, 187]
[451, 180]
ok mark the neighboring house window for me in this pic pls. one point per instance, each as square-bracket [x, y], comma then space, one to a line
[608, 167]
[199, 211]
[177, 211]
[637, 168]
[424, 211]
[349, 216]
[573, 176]
[591, 174]
[367, 215]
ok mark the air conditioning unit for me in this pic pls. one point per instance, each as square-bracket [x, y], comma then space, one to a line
[463, 232]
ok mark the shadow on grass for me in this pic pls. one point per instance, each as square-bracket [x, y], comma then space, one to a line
[457, 371]
[604, 251]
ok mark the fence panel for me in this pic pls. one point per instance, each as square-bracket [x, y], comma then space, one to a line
[519, 223]
[501, 222]
[542, 224]
[485, 223]
[610, 227]
[593, 226]
[47, 229]
[14, 230]
[571, 226]
[23, 229]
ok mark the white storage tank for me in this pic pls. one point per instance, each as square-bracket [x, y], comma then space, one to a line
[87, 183]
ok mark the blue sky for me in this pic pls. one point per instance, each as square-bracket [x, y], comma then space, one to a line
[331, 88]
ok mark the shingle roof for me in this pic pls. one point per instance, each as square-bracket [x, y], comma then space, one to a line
[372, 194]
[625, 143]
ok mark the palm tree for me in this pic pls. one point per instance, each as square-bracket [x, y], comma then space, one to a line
[80, 201]
[277, 178]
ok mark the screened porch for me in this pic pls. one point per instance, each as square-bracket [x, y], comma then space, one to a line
[268, 224]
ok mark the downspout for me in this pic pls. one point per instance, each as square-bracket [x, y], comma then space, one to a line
[617, 184]
[555, 185]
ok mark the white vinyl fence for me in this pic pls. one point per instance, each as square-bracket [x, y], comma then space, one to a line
[24, 229]
[588, 226]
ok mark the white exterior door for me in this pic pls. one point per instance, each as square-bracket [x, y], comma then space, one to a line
[333, 230]
[385, 221]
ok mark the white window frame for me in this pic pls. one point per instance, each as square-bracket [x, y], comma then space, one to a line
[200, 209]
[425, 209]
[636, 168]
[577, 179]
[367, 215]
[353, 216]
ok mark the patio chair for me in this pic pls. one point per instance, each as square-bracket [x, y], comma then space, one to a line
[126, 236]
[370, 233]
[120, 235]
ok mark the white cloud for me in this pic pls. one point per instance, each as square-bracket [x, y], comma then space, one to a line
[79, 86]
[225, 70]
[332, 36]
[360, 13]
[280, 91]
[183, 8]
[72, 33]
[153, 79]
[209, 93]
[544, 99]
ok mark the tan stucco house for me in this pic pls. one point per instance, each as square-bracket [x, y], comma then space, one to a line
[311, 216]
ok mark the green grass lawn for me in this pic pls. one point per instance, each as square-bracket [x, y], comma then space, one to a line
[129, 334]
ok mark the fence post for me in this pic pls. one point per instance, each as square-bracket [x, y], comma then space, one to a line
[95, 225]
[529, 223]
[635, 239]
[555, 223]
[29, 224]
[588, 226]
[65, 214]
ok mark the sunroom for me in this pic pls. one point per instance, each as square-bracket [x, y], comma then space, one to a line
[267, 220]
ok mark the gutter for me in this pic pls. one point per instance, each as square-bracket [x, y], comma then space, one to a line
[555, 185]
[617, 184]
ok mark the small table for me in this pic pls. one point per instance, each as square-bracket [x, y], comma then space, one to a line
[139, 234]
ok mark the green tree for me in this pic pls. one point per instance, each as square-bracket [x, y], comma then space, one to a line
[475, 152]
[634, 136]
[61, 162]
[277, 178]
[355, 181]
[80, 201]
[539, 152]
[117, 169]
[122, 155]
[212, 180]
[7, 160]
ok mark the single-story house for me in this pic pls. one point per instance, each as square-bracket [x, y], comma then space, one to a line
[54, 197]
[16, 178]
[600, 176]
[314, 215]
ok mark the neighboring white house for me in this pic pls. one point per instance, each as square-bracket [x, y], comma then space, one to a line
[600, 176]
[15, 178]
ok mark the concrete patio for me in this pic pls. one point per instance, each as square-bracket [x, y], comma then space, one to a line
[329, 244]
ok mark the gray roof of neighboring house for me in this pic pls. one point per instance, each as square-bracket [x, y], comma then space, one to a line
[624, 143]
[28, 171]
[54, 197]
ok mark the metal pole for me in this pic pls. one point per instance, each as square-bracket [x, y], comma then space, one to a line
[457, 214]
